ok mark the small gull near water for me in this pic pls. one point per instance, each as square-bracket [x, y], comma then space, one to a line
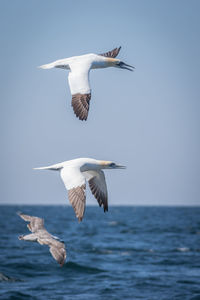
[42, 236]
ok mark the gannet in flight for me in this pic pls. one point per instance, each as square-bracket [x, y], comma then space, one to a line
[40, 234]
[78, 77]
[74, 174]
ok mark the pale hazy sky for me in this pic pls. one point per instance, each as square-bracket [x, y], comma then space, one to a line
[147, 120]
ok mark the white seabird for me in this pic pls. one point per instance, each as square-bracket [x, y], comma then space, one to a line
[42, 236]
[78, 77]
[74, 174]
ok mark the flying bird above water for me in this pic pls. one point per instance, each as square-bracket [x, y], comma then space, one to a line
[74, 174]
[42, 236]
[78, 77]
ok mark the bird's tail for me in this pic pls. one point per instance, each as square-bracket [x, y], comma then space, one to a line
[61, 63]
[47, 66]
[55, 167]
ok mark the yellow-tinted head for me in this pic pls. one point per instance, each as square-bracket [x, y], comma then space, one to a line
[112, 62]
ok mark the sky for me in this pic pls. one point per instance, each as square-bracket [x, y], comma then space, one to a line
[147, 120]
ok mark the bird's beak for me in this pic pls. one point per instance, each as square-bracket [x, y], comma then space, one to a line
[122, 65]
[120, 167]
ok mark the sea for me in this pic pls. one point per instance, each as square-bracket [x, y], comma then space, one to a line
[128, 253]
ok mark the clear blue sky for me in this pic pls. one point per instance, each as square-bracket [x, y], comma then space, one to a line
[147, 120]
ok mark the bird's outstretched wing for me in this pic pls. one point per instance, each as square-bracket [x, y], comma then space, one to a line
[81, 105]
[57, 248]
[58, 252]
[113, 53]
[80, 88]
[74, 182]
[97, 184]
[35, 222]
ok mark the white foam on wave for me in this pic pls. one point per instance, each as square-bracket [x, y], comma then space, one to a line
[113, 223]
[125, 253]
[183, 249]
[151, 250]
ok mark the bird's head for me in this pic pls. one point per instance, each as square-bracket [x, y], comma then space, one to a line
[117, 63]
[111, 165]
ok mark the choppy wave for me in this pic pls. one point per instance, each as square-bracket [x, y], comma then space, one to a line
[14, 295]
[82, 268]
[6, 278]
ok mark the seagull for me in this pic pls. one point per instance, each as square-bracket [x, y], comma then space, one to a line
[42, 236]
[78, 77]
[74, 174]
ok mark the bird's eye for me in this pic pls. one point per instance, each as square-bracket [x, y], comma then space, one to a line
[112, 164]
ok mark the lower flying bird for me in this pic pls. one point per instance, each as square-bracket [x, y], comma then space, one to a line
[78, 78]
[40, 234]
[74, 174]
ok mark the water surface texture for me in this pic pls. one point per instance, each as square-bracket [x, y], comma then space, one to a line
[127, 253]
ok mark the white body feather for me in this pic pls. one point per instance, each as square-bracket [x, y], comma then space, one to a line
[74, 174]
[79, 67]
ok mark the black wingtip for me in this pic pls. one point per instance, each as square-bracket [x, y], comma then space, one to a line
[112, 54]
[105, 209]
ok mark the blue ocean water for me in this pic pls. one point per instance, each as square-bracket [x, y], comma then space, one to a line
[128, 253]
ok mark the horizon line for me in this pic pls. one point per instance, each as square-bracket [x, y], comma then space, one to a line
[111, 205]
